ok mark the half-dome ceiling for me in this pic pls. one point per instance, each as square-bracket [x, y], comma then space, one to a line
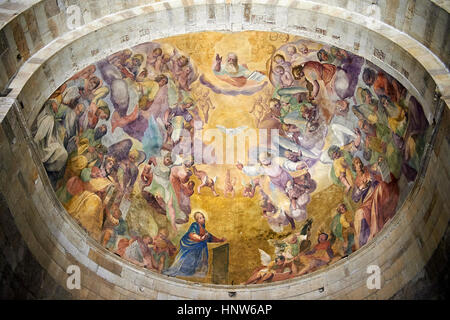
[232, 158]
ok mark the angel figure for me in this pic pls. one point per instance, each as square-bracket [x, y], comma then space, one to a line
[259, 109]
[270, 271]
[250, 188]
[229, 185]
[204, 103]
[205, 181]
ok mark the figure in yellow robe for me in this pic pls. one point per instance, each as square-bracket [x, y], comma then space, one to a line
[87, 207]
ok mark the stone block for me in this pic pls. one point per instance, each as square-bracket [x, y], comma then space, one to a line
[104, 263]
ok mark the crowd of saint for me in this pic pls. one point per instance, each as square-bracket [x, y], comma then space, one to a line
[125, 125]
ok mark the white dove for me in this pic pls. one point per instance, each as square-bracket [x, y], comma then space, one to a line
[231, 131]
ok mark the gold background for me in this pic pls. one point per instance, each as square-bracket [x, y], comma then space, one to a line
[237, 219]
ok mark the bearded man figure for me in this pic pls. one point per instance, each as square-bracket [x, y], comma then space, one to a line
[234, 73]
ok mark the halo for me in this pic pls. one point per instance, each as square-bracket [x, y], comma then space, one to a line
[194, 210]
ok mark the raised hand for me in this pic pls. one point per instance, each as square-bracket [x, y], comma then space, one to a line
[217, 66]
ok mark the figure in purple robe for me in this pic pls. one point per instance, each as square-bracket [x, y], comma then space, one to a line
[351, 64]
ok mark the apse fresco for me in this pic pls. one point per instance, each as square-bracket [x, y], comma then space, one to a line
[232, 158]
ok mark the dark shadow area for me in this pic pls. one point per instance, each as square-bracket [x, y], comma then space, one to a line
[21, 275]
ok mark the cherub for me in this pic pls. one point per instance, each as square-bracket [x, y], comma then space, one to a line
[229, 184]
[155, 59]
[279, 60]
[204, 103]
[118, 59]
[205, 181]
[163, 67]
[285, 77]
[267, 96]
[181, 70]
[259, 109]
[132, 66]
[147, 174]
[250, 188]
[292, 53]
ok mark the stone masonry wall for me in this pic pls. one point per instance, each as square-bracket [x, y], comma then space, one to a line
[29, 25]
[402, 249]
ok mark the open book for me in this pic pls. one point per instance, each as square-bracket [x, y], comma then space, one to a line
[124, 207]
[257, 76]
[383, 168]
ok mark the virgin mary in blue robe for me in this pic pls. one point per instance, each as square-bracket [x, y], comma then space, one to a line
[192, 259]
